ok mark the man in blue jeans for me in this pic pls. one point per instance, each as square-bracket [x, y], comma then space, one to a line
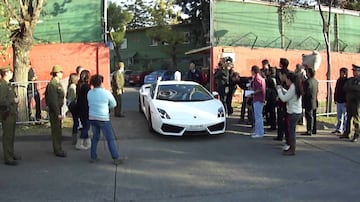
[258, 86]
[100, 101]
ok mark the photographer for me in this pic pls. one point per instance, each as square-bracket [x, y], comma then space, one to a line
[222, 81]
[244, 83]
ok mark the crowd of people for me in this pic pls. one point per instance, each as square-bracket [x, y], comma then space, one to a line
[87, 100]
[274, 96]
[279, 97]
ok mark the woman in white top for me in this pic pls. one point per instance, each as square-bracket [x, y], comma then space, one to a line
[292, 97]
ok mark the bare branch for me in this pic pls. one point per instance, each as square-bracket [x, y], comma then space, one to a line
[12, 11]
[23, 8]
[39, 5]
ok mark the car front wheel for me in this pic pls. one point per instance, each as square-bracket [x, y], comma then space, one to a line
[150, 127]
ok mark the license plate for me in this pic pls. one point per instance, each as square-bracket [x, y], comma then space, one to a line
[196, 127]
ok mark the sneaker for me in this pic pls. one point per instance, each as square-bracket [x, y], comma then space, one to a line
[306, 134]
[286, 147]
[119, 160]
[94, 160]
[336, 131]
[11, 163]
[343, 137]
[61, 154]
[257, 136]
[16, 157]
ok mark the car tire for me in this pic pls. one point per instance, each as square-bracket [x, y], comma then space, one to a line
[150, 127]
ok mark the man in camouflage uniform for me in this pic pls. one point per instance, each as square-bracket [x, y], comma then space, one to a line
[352, 93]
[8, 114]
[117, 86]
[54, 96]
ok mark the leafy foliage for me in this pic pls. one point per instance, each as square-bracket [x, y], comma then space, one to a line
[117, 21]
[141, 15]
[198, 12]
[163, 16]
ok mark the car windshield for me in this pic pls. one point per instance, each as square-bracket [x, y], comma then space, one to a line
[183, 93]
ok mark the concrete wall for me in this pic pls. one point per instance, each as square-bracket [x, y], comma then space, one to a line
[93, 56]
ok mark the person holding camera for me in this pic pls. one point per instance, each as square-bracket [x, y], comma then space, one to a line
[222, 81]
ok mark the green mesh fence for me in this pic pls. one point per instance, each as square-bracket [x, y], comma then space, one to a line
[70, 21]
[256, 25]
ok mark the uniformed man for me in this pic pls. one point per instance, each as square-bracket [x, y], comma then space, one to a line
[8, 114]
[352, 93]
[54, 96]
[117, 86]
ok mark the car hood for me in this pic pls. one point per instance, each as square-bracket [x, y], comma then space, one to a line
[188, 111]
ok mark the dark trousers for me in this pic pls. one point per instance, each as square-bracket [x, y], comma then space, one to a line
[84, 132]
[243, 107]
[292, 120]
[229, 97]
[282, 123]
[8, 122]
[353, 120]
[72, 109]
[56, 132]
[36, 97]
[271, 114]
[117, 109]
[250, 111]
[310, 116]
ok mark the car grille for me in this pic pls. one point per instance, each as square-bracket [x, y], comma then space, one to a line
[171, 128]
[217, 127]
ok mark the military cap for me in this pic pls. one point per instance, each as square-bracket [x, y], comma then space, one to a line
[56, 69]
[355, 67]
[5, 69]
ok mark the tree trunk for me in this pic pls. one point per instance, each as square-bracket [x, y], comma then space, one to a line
[281, 25]
[22, 45]
[326, 33]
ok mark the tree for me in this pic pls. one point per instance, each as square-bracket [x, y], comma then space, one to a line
[20, 22]
[326, 21]
[117, 21]
[164, 18]
[198, 12]
[141, 15]
[285, 16]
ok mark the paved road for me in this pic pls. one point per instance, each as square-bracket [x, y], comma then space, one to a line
[232, 167]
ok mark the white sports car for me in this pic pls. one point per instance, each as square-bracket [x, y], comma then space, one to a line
[181, 107]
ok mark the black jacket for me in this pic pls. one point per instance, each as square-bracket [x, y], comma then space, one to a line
[339, 95]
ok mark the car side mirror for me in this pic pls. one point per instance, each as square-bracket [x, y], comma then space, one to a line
[215, 94]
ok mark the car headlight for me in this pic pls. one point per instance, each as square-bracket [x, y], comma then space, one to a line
[220, 112]
[163, 114]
